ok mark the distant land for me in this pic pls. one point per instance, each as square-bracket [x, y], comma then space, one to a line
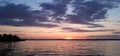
[9, 38]
[73, 39]
[15, 38]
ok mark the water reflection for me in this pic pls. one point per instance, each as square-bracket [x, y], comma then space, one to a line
[58, 48]
[6, 49]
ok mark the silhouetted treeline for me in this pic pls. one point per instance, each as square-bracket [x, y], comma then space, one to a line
[9, 38]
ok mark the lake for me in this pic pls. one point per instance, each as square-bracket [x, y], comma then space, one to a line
[60, 48]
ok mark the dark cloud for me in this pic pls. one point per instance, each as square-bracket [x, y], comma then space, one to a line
[84, 11]
[22, 15]
[90, 10]
[58, 7]
[83, 30]
[14, 11]
[93, 25]
[116, 32]
[105, 36]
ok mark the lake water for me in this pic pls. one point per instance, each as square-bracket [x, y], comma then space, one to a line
[60, 48]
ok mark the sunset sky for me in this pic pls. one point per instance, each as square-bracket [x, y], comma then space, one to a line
[61, 19]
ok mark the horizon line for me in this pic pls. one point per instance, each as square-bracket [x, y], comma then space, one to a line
[71, 39]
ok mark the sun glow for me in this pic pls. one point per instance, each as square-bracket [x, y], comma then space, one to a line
[68, 38]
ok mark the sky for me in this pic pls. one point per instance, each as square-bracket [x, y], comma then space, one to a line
[61, 19]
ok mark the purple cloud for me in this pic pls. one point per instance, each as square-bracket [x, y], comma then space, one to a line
[84, 30]
[83, 12]
[105, 36]
[116, 32]
[22, 15]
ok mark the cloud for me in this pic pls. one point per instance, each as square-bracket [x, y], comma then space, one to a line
[92, 25]
[22, 15]
[9, 31]
[91, 10]
[116, 32]
[83, 11]
[118, 21]
[14, 11]
[84, 30]
[58, 7]
[105, 36]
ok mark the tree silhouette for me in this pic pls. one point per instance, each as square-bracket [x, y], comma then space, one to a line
[9, 38]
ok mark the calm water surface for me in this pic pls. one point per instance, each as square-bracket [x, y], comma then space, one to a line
[60, 48]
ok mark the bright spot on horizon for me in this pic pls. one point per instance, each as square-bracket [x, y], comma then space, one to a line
[68, 38]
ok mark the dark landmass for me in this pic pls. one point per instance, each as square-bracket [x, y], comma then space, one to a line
[75, 39]
[15, 38]
[9, 38]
